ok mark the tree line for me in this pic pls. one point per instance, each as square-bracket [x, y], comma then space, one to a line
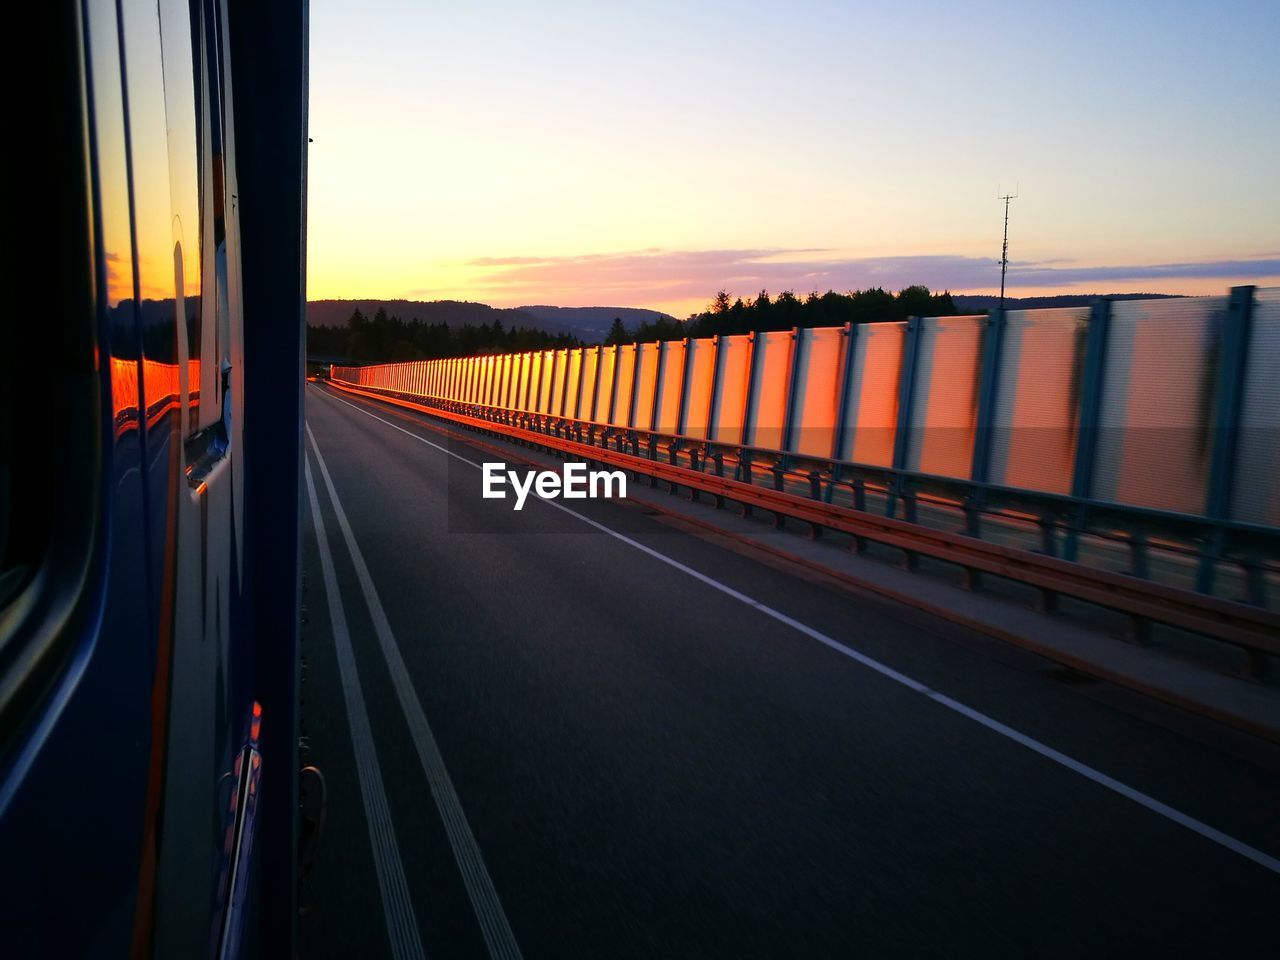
[727, 315]
[383, 338]
[387, 338]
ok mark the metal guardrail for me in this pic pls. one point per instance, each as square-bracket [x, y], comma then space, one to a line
[1141, 433]
[1249, 627]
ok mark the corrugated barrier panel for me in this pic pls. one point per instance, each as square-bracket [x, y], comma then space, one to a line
[734, 372]
[1157, 403]
[872, 416]
[817, 390]
[590, 370]
[702, 356]
[573, 384]
[772, 371]
[642, 416]
[624, 383]
[555, 395]
[672, 376]
[944, 407]
[1037, 402]
[604, 385]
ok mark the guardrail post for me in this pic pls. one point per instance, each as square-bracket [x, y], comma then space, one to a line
[899, 488]
[1139, 627]
[859, 486]
[695, 463]
[717, 457]
[1091, 380]
[815, 493]
[1232, 354]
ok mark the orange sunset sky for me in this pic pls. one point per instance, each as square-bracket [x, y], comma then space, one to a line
[649, 155]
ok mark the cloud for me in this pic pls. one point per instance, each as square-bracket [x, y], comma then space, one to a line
[651, 275]
[1038, 275]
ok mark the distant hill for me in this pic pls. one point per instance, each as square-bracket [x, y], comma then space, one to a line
[456, 313]
[589, 324]
[966, 303]
[592, 323]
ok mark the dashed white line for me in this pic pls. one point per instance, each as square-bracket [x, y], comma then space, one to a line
[402, 923]
[494, 926]
[1264, 860]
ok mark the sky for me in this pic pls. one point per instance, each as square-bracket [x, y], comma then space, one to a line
[650, 154]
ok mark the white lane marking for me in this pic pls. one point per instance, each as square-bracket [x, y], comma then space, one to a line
[498, 936]
[402, 924]
[1089, 773]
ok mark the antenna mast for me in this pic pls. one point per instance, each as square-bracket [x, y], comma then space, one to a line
[1004, 250]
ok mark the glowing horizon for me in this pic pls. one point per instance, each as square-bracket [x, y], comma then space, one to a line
[648, 158]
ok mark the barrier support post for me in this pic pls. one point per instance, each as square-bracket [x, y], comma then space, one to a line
[1232, 355]
[1091, 380]
[595, 386]
[898, 488]
[685, 374]
[838, 445]
[635, 387]
[789, 409]
[749, 409]
[660, 362]
[716, 387]
[613, 386]
[988, 377]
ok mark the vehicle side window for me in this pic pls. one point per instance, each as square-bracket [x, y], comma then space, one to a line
[52, 385]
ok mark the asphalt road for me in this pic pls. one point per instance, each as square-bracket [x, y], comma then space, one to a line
[589, 734]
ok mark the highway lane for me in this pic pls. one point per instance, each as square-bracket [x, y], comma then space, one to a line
[649, 766]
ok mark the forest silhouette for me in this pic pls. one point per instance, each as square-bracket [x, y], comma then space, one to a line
[386, 337]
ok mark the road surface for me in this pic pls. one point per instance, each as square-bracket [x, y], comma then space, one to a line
[584, 732]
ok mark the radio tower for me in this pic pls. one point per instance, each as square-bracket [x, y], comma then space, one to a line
[1004, 250]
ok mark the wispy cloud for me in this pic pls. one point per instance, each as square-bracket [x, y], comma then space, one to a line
[644, 276]
[1039, 275]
